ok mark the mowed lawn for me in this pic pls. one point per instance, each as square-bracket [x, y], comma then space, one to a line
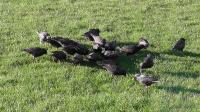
[28, 84]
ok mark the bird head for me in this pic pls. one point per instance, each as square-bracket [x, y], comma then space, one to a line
[143, 42]
[136, 76]
[43, 36]
[183, 39]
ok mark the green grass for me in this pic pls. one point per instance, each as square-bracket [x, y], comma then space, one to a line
[28, 84]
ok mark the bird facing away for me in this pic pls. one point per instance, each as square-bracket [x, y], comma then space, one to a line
[111, 67]
[180, 45]
[58, 56]
[42, 36]
[36, 51]
[145, 80]
[147, 63]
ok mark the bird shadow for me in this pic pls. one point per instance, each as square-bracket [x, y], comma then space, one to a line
[184, 74]
[181, 54]
[85, 63]
[178, 89]
[131, 63]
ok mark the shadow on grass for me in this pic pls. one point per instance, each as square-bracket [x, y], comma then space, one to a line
[181, 54]
[178, 89]
[131, 63]
[184, 74]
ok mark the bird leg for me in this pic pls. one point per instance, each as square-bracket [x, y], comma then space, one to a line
[141, 70]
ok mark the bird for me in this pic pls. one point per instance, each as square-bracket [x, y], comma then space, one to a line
[145, 80]
[112, 67]
[110, 54]
[110, 45]
[97, 48]
[42, 36]
[93, 57]
[93, 31]
[132, 49]
[143, 43]
[77, 58]
[180, 45]
[58, 56]
[98, 39]
[72, 49]
[129, 49]
[147, 63]
[35, 51]
[54, 41]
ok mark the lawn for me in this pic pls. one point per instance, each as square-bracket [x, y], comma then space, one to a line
[28, 84]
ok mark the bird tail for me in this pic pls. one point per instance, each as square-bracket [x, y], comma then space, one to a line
[156, 81]
[25, 50]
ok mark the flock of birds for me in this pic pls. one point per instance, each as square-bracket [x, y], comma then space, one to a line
[104, 53]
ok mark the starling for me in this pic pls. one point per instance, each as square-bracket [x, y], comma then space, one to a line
[36, 51]
[77, 58]
[42, 36]
[147, 63]
[54, 41]
[132, 49]
[143, 43]
[112, 68]
[110, 54]
[110, 45]
[58, 56]
[180, 45]
[91, 31]
[129, 49]
[94, 57]
[97, 48]
[98, 40]
[145, 80]
[72, 49]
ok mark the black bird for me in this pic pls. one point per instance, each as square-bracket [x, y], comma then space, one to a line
[132, 49]
[72, 49]
[58, 56]
[94, 57]
[54, 41]
[144, 43]
[112, 68]
[73, 46]
[110, 54]
[36, 51]
[145, 80]
[110, 45]
[91, 31]
[180, 45]
[97, 48]
[78, 58]
[42, 36]
[147, 63]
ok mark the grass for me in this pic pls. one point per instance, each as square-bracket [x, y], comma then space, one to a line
[28, 84]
